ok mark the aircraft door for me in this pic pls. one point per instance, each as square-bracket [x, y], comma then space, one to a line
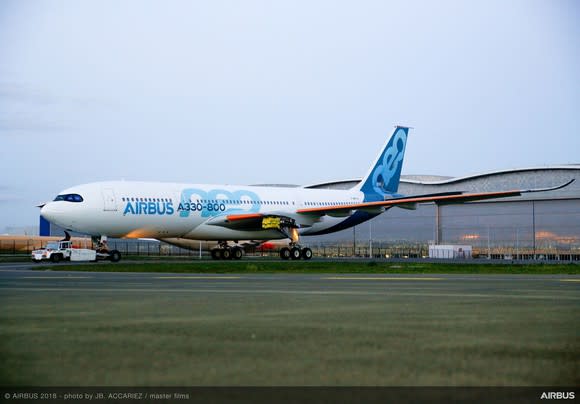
[109, 199]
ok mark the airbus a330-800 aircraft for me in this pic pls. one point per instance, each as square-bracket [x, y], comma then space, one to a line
[229, 213]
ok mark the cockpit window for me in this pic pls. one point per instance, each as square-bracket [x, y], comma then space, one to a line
[69, 198]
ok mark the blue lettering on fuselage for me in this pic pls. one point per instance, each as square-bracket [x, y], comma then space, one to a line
[210, 203]
[149, 208]
[213, 202]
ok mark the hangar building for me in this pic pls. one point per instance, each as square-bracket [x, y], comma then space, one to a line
[533, 224]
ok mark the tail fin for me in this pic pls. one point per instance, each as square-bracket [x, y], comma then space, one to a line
[384, 175]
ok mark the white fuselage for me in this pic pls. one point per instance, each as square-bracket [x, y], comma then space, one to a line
[161, 210]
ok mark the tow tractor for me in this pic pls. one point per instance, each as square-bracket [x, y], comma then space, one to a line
[64, 250]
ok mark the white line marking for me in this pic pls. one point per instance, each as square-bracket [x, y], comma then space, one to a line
[57, 277]
[198, 277]
[299, 292]
[384, 278]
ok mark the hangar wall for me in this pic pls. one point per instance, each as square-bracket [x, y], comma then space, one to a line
[537, 222]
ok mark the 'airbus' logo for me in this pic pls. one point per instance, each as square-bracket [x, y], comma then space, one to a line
[149, 208]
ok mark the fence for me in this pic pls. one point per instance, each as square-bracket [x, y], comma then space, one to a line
[19, 245]
[379, 250]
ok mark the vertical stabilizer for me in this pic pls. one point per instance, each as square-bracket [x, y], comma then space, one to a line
[384, 175]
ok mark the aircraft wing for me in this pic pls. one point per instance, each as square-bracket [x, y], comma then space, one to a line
[446, 198]
[308, 216]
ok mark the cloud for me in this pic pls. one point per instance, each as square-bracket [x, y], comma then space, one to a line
[16, 93]
[13, 92]
[9, 198]
[33, 110]
[33, 124]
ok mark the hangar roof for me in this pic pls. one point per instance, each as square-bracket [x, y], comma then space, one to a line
[519, 178]
[440, 180]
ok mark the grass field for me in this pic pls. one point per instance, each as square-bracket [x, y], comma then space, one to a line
[346, 266]
[143, 331]
[75, 337]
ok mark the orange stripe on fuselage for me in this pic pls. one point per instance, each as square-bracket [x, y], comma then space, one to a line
[233, 218]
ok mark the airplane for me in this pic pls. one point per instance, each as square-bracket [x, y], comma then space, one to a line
[229, 213]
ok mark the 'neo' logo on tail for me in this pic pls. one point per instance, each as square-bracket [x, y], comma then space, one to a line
[385, 175]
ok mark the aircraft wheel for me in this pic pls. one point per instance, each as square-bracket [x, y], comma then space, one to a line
[225, 254]
[237, 253]
[295, 253]
[285, 253]
[215, 254]
[115, 256]
[306, 253]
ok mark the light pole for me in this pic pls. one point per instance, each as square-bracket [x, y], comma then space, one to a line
[488, 244]
[534, 227]
[354, 241]
[370, 239]
[517, 243]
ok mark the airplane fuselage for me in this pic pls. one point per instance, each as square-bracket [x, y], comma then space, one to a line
[162, 210]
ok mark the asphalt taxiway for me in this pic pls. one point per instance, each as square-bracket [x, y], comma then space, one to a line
[287, 329]
[14, 277]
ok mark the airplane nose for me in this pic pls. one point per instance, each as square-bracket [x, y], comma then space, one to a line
[45, 211]
[51, 213]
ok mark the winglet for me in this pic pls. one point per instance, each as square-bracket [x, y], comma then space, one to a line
[550, 188]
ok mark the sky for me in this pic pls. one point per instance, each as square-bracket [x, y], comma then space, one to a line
[295, 92]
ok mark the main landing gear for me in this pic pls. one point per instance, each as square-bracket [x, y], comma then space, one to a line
[295, 253]
[225, 252]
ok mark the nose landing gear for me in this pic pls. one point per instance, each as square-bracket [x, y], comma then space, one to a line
[103, 252]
